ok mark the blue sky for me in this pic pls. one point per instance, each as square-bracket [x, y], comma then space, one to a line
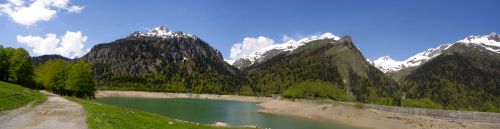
[398, 28]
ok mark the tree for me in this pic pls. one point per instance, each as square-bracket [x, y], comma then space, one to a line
[4, 64]
[64, 78]
[21, 68]
[52, 75]
[80, 82]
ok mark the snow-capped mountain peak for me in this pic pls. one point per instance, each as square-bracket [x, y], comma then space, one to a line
[387, 64]
[161, 31]
[287, 46]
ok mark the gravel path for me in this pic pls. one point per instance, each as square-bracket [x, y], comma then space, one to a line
[55, 113]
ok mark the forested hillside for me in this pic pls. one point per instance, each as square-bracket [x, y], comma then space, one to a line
[335, 61]
[466, 76]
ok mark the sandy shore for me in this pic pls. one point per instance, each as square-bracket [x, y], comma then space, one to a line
[348, 113]
[338, 112]
[144, 94]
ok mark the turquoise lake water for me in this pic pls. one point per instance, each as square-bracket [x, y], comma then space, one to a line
[204, 111]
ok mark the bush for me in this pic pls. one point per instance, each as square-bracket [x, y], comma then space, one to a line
[316, 89]
[489, 107]
[359, 105]
[421, 103]
[384, 101]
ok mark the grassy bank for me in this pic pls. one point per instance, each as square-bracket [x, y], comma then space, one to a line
[13, 96]
[102, 116]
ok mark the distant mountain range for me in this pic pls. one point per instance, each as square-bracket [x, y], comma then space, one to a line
[490, 42]
[462, 75]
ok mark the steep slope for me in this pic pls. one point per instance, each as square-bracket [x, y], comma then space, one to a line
[335, 61]
[162, 60]
[465, 76]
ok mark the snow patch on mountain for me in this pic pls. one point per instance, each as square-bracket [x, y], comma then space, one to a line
[229, 61]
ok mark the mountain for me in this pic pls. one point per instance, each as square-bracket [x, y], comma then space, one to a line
[465, 76]
[38, 60]
[333, 60]
[271, 51]
[490, 42]
[388, 65]
[162, 60]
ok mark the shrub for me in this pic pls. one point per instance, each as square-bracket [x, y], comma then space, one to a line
[421, 103]
[384, 101]
[316, 89]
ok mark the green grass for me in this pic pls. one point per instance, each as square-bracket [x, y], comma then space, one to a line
[102, 116]
[13, 96]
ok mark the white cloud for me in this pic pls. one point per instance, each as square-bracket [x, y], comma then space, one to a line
[249, 45]
[35, 10]
[69, 45]
[75, 9]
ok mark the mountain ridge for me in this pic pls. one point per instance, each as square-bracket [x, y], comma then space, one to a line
[271, 51]
[387, 65]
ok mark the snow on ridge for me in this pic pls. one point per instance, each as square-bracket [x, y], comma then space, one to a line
[289, 45]
[386, 64]
[490, 42]
[493, 39]
[422, 57]
[163, 32]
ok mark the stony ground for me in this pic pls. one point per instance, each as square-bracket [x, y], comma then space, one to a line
[55, 113]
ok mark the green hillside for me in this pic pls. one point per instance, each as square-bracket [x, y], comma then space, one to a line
[337, 62]
[14, 96]
[464, 77]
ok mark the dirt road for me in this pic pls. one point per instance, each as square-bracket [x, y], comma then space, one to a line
[55, 113]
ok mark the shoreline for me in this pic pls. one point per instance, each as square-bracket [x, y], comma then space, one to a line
[336, 112]
[146, 94]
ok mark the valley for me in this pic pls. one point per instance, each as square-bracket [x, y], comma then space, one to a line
[255, 64]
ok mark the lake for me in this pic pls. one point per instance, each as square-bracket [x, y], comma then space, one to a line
[204, 111]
